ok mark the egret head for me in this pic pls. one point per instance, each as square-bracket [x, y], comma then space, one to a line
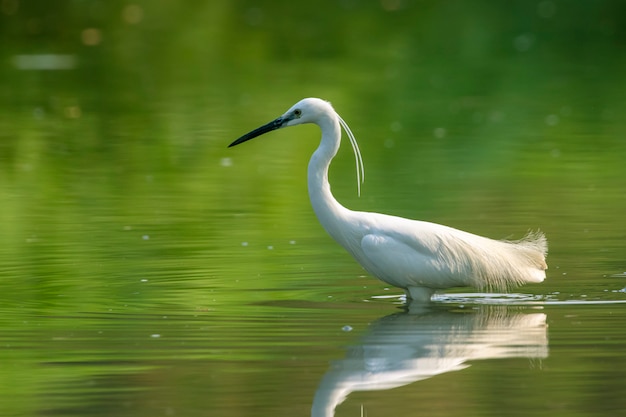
[312, 110]
[308, 110]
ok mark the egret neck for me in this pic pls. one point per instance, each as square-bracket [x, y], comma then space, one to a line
[326, 207]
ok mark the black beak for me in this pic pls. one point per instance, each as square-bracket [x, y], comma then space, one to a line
[273, 125]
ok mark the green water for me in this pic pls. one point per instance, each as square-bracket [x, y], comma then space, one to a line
[146, 269]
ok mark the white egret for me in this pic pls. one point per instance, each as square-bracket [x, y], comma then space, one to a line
[418, 256]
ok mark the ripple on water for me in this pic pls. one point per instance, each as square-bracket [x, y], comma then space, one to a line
[478, 298]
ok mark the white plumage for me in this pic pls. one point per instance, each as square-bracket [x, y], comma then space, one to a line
[418, 256]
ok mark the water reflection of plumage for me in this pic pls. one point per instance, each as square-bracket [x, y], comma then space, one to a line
[403, 348]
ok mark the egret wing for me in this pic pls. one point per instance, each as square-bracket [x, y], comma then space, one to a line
[396, 262]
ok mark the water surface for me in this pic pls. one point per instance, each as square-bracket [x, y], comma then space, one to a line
[146, 269]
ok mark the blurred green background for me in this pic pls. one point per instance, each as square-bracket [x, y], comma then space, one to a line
[119, 196]
[487, 116]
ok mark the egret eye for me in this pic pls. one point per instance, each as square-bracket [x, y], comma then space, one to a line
[297, 113]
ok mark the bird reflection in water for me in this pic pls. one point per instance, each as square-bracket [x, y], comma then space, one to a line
[407, 347]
